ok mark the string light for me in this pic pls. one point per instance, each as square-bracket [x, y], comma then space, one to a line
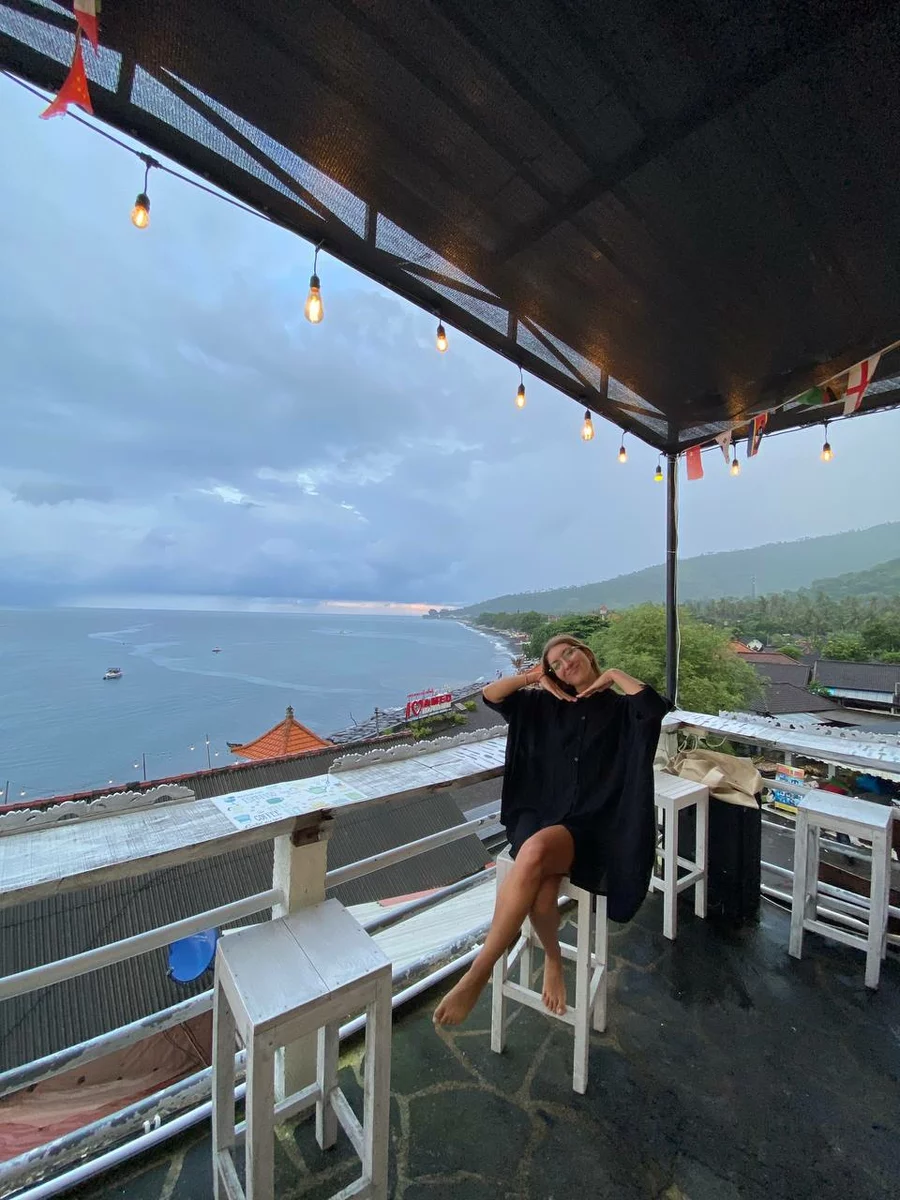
[657, 474]
[623, 453]
[520, 393]
[587, 429]
[140, 214]
[735, 465]
[827, 453]
[314, 309]
[441, 337]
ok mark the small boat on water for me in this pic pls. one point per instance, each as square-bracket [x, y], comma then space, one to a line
[217, 649]
[113, 673]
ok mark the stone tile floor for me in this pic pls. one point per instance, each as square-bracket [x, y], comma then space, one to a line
[728, 1072]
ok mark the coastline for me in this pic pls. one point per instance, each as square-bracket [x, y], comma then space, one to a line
[499, 636]
[395, 715]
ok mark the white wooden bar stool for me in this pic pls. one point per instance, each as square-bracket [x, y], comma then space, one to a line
[279, 981]
[673, 795]
[590, 957]
[861, 819]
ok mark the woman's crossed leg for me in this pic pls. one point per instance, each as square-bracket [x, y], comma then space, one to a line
[546, 856]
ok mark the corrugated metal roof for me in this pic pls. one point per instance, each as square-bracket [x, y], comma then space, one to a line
[786, 698]
[70, 1012]
[794, 673]
[861, 677]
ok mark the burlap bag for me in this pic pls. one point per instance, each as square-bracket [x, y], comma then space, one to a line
[734, 780]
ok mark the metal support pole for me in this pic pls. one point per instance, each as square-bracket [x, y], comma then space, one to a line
[672, 577]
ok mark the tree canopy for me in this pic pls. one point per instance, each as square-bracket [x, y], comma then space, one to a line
[711, 675]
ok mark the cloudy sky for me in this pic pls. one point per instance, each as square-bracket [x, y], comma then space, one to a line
[171, 425]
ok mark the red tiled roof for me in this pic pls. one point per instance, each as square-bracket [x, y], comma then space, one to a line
[287, 737]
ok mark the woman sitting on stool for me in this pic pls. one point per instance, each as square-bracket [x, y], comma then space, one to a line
[577, 800]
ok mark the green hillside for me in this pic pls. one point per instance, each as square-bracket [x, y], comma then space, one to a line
[881, 580]
[776, 567]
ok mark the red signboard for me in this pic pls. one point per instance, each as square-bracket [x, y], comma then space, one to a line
[427, 704]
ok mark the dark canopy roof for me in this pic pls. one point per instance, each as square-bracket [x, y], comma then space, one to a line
[701, 199]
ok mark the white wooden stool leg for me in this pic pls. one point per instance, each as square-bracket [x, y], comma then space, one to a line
[878, 910]
[601, 956]
[223, 1085]
[670, 866]
[377, 1090]
[800, 890]
[526, 963]
[582, 992]
[701, 811]
[500, 975]
[260, 1115]
[499, 1003]
[328, 1049]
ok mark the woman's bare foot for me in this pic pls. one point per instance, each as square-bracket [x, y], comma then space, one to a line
[459, 1001]
[554, 993]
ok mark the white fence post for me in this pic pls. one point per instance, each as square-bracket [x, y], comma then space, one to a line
[298, 873]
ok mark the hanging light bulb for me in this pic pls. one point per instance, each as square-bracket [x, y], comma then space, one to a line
[520, 393]
[657, 474]
[441, 339]
[623, 453]
[140, 214]
[735, 465]
[587, 429]
[827, 453]
[314, 309]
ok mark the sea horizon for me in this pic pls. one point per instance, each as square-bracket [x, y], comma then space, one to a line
[194, 680]
[164, 602]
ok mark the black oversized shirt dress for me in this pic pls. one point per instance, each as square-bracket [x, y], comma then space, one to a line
[587, 765]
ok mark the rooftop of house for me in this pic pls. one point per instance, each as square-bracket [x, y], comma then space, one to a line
[857, 676]
[781, 698]
[287, 737]
[729, 1071]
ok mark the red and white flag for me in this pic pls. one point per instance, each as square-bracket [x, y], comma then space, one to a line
[724, 440]
[74, 89]
[694, 463]
[858, 380]
[759, 427]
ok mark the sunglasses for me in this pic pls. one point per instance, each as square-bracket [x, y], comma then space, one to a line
[565, 656]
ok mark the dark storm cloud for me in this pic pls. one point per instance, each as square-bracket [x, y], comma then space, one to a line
[172, 424]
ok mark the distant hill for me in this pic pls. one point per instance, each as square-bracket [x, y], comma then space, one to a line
[776, 567]
[882, 580]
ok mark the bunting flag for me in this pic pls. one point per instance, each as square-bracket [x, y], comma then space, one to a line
[759, 427]
[86, 12]
[858, 380]
[817, 396]
[694, 463]
[724, 440]
[74, 89]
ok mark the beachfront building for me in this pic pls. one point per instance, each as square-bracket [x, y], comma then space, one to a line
[681, 218]
[287, 737]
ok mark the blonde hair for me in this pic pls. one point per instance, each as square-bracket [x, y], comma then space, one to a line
[566, 639]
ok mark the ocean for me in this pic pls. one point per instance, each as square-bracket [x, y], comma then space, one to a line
[64, 729]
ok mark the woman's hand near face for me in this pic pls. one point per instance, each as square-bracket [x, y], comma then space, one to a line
[549, 684]
[607, 679]
[602, 683]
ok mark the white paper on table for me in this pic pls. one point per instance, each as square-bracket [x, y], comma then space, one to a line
[294, 798]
